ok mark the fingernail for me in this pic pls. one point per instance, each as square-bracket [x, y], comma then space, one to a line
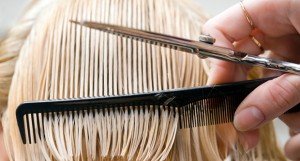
[248, 118]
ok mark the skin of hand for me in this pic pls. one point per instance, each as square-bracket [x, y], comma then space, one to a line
[277, 28]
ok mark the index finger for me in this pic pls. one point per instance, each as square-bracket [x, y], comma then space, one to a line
[226, 28]
[225, 32]
[269, 16]
[232, 26]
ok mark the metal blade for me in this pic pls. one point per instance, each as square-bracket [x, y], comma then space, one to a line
[201, 49]
[177, 43]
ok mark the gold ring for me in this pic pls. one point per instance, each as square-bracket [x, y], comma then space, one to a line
[247, 16]
[257, 43]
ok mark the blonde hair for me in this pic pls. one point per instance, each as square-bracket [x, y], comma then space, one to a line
[57, 60]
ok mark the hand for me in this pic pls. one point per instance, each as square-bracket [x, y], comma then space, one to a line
[277, 28]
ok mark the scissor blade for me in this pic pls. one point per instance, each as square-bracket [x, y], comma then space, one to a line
[194, 47]
[178, 43]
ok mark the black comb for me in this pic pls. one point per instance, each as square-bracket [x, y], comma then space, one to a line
[199, 106]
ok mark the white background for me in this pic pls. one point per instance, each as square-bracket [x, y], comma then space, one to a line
[10, 10]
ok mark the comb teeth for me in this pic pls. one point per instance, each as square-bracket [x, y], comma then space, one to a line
[193, 107]
[32, 125]
[210, 111]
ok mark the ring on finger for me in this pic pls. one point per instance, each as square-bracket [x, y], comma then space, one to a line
[258, 44]
[247, 15]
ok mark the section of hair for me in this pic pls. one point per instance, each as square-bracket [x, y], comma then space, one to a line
[63, 60]
[11, 45]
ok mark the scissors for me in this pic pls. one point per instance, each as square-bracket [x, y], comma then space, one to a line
[203, 48]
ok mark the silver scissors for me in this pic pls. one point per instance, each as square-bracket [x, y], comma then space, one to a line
[203, 48]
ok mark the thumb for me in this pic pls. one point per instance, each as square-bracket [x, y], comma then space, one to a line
[267, 102]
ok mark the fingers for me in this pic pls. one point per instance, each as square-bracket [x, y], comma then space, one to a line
[224, 72]
[227, 34]
[292, 120]
[249, 44]
[285, 47]
[231, 29]
[278, 29]
[267, 102]
[249, 139]
[274, 19]
[293, 132]
[270, 17]
[292, 147]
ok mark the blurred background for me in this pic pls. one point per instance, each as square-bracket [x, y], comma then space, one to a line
[10, 10]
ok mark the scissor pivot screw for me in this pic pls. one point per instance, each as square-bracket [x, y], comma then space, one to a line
[207, 39]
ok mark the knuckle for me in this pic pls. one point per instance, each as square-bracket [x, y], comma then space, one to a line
[208, 26]
[283, 94]
[280, 96]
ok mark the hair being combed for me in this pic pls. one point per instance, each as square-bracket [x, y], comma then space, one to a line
[58, 60]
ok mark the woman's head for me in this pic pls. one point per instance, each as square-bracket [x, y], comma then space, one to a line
[60, 60]
[57, 59]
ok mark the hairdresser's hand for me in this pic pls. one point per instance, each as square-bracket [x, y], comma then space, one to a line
[277, 27]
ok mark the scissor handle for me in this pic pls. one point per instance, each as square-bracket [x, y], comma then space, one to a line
[244, 58]
[272, 64]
